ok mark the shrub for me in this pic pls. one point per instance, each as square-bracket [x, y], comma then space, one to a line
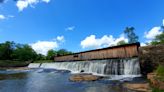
[157, 90]
[160, 70]
[43, 61]
[9, 63]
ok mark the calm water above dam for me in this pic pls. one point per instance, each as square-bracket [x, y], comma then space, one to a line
[51, 80]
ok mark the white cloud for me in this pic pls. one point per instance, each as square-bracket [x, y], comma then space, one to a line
[71, 28]
[42, 47]
[22, 4]
[2, 17]
[143, 44]
[150, 35]
[60, 38]
[93, 42]
[47, 1]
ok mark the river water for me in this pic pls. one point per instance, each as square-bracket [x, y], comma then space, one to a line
[51, 80]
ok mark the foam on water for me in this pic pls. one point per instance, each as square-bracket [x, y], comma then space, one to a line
[34, 65]
[115, 68]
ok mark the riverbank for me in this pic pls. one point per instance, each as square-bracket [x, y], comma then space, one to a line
[10, 63]
[7, 64]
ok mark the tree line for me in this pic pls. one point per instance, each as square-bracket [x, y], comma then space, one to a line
[10, 50]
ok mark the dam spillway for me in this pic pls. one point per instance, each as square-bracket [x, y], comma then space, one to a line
[118, 61]
[125, 67]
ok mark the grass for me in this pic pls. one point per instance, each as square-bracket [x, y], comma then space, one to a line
[157, 90]
[160, 70]
[10, 63]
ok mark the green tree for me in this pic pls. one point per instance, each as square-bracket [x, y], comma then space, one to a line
[40, 57]
[132, 37]
[24, 53]
[159, 39]
[51, 54]
[122, 42]
[6, 50]
[63, 52]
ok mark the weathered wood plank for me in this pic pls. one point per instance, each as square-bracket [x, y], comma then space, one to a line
[123, 51]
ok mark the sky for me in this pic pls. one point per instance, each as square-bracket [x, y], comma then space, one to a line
[78, 25]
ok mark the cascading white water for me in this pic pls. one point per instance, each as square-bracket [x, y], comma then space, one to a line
[34, 65]
[100, 67]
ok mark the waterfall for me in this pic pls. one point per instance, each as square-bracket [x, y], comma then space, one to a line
[34, 65]
[99, 67]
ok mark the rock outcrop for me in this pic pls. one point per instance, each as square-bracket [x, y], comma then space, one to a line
[84, 77]
[143, 87]
[150, 57]
[155, 81]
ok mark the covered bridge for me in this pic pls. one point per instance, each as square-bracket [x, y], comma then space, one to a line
[122, 51]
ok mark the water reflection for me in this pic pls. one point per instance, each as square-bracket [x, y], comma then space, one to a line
[41, 80]
[13, 76]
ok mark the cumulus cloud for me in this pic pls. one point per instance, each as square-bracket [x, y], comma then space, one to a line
[71, 28]
[143, 44]
[107, 40]
[60, 38]
[2, 17]
[153, 33]
[22, 4]
[42, 47]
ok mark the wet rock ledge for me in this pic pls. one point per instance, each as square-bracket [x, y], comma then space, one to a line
[141, 87]
[84, 77]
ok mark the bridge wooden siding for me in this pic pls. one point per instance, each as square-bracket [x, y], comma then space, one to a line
[123, 51]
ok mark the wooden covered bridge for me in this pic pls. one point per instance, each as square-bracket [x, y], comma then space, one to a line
[122, 51]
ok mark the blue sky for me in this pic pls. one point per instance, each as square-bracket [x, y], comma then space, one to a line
[78, 25]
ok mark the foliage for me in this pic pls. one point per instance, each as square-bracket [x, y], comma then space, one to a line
[40, 57]
[43, 61]
[157, 90]
[159, 39]
[51, 54]
[11, 63]
[10, 50]
[6, 50]
[160, 70]
[24, 52]
[122, 42]
[63, 52]
[132, 37]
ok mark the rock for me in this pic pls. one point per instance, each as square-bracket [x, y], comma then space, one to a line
[161, 85]
[84, 77]
[155, 81]
[19, 68]
[150, 57]
[144, 87]
[151, 77]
